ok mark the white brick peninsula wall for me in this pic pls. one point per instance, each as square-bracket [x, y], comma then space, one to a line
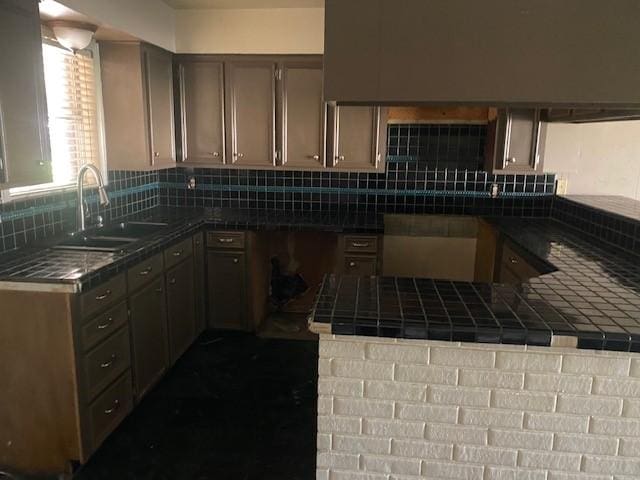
[403, 409]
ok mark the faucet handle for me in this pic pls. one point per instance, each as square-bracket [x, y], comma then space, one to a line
[99, 221]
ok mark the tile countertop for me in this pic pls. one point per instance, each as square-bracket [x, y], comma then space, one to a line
[593, 296]
[43, 268]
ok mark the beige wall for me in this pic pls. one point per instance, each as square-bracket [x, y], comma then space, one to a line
[150, 20]
[279, 30]
[596, 158]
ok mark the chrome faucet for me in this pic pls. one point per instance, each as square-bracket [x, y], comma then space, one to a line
[102, 193]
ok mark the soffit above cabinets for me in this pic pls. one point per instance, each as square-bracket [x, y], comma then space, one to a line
[242, 4]
[495, 52]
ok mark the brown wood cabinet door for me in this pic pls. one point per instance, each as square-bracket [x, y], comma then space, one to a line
[202, 94]
[159, 83]
[250, 90]
[361, 266]
[24, 139]
[180, 308]
[149, 335]
[227, 290]
[302, 115]
[199, 285]
[358, 138]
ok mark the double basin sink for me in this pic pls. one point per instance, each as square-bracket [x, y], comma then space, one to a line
[111, 238]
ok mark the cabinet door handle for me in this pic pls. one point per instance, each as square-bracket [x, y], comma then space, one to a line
[315, 157]
[214, 154]
[352, 264]
[116, 405]
[177, 253]
[172, 281]
[235, 260]
[145, 272]
[104, 295]
[513, 260]
[156, 154]
[159, 290]
[238, 155]
[360, 244]
[225, 240]
[109, 362]
[340, 157]
[106, 324]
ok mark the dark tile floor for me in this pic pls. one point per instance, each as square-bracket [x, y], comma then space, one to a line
[235, 407]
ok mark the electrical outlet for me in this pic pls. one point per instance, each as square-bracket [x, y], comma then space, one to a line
[191, 183]
[561, 186]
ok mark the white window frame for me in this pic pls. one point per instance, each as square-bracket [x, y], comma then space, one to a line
[7, 196]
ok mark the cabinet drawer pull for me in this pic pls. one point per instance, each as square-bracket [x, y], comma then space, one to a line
[360, 244]
[145, 272]
[172, 281]
[225, 240]
[513, 260]
[159, 290]
[156, 154]
[109, 362]
[315, 157]
[103, 295]
[116, 405]
[106, 324]
[352, 264]
[340, 157]
[177, 253]
[235, 260]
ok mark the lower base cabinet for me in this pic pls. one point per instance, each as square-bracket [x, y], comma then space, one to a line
[148, 319]
[180, 308]
[227, 289]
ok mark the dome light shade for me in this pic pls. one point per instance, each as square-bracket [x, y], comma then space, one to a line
[73, 35]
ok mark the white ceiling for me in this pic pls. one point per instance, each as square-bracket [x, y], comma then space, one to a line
[229, 4]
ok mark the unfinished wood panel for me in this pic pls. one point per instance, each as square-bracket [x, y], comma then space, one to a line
[485, 252]
[38, 413]
[438, 114]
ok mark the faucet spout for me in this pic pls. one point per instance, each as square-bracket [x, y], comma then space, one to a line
[102, 193]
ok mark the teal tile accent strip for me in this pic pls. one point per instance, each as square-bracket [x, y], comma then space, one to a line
[347, 191]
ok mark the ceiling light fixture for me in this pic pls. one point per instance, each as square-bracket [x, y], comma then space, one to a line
[73, 35]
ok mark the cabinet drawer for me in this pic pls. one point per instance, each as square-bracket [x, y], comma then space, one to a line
[106, 362]
[110, 408]
[361, 243]
[144, 272]
[102, 296]
[357, 265]
[103, 325]
[175, 254]
[226, 240]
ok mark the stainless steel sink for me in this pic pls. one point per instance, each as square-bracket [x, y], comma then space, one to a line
[112, 238]
[134, 230]
[98, 244]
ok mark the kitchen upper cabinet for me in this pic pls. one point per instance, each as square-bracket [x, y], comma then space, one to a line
[25, 156]
[516, 141]
[302, 114]
[201, 84]
[180, 308]
[357, 138]
[137, 91]
[250, 93]
[148, 319]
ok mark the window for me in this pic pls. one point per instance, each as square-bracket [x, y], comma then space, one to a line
[74, 115]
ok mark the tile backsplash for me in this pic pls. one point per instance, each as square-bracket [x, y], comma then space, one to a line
[24, 221]
[615, 220]
[440, 146]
